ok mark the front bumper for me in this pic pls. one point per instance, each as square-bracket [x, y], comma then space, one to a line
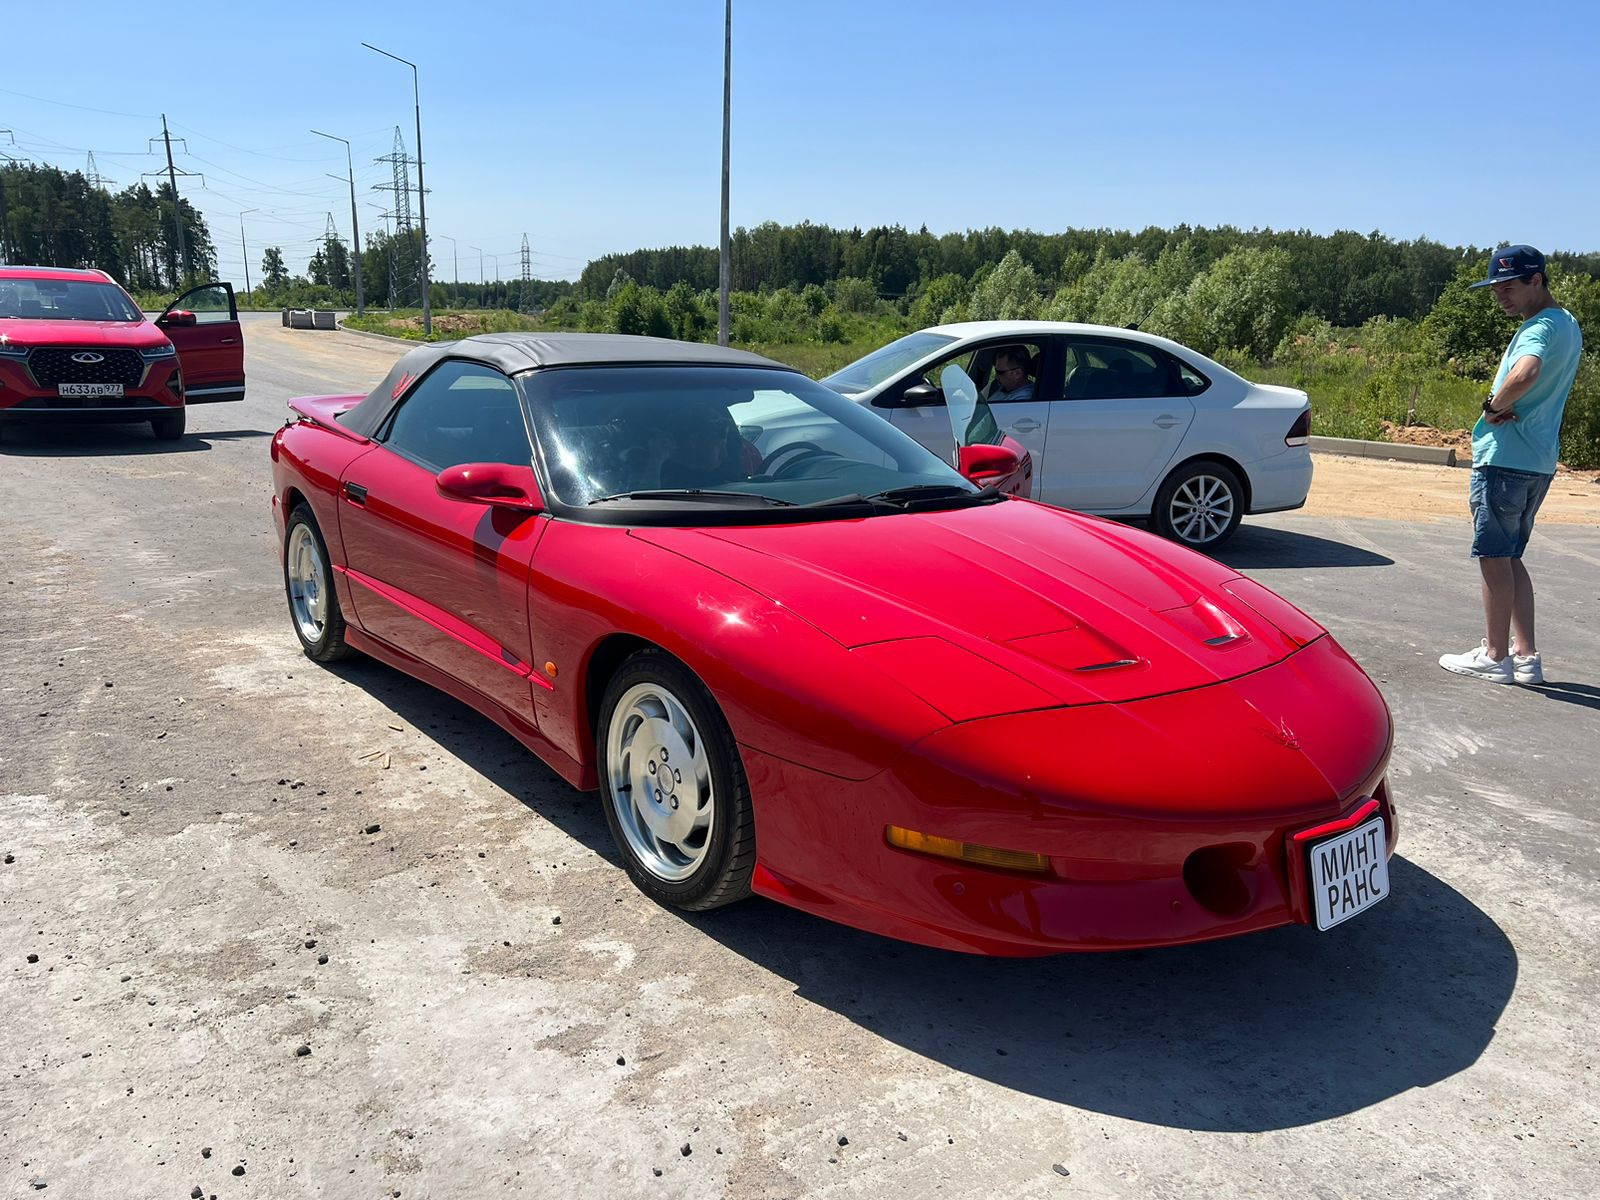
[1165, 821]
[160, 390]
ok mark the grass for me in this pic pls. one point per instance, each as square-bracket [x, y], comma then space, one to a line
[447, 325]
[1356, 404]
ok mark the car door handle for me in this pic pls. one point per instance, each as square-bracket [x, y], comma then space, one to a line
[1026, 425]
[229, 341]
[355, 493]
[1167, 421]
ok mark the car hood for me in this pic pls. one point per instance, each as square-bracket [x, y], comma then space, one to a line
[136, 335]
[1009, 607]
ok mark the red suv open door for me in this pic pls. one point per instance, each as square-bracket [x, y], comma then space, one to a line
[203, 325]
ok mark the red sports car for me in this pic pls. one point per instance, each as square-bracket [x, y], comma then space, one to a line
[799, 655]
[75, 347]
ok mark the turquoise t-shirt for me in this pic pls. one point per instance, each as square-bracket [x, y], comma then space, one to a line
[1533, 441]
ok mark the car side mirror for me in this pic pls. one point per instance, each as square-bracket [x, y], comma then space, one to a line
[922, 393]
[499, 484]
[985, 464]
[177, 316]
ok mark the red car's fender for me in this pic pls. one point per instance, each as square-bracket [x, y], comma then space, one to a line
[309, 457]
[783, 686]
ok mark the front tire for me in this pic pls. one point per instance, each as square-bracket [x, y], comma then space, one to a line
[169, 426]
[314, 609]
[1199, 505]
[674, 790]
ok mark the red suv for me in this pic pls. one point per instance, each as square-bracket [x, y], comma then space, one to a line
[74, 346]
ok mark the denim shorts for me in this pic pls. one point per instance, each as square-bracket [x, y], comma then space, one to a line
[1503, 502]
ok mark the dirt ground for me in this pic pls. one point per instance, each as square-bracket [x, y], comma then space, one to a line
[1372, 487]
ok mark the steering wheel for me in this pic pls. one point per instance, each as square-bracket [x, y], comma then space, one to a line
[800, 452]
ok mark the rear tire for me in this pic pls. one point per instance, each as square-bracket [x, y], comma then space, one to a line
[168, 427]
[1199, 506]
[674, 790]
[314, 611]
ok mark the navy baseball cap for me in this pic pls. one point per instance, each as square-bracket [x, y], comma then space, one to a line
[1513, 262]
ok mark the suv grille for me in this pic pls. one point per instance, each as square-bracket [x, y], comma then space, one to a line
[51, 366]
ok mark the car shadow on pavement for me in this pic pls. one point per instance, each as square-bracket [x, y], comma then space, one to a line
[89, 441]
[1255, 547]
[1269, 1031]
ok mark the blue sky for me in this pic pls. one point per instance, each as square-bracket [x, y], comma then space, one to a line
[596, 127]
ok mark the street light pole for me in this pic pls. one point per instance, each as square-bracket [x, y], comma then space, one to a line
[496, 258]
[422, 191]
[480, 274]
[245, 250]
[455, 269]
[355, 226]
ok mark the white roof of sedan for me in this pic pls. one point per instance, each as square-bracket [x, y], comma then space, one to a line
[1023, 329]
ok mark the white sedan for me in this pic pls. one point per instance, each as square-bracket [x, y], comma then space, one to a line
[1119, 423]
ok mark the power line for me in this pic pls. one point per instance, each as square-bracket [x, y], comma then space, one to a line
[80, 107]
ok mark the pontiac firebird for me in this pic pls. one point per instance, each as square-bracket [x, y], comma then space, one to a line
[801, 656]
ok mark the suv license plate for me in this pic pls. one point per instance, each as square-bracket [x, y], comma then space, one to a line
[89, 389]
[1349, 873]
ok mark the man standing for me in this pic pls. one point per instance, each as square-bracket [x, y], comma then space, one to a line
[1514, 449]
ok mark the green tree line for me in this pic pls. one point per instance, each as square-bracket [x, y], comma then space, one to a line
[50, 217]
[1345, 277]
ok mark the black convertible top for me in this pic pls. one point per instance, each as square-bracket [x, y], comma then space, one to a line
[515, 352]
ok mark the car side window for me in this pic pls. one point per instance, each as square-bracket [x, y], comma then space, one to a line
[980, 366]
[1112, 370]
[209, 305]
[460, 412]
[1191, 381]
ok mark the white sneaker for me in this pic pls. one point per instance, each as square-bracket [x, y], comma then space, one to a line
[1479, 665]
[1527, 668]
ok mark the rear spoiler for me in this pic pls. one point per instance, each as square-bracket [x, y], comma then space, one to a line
[326, 410]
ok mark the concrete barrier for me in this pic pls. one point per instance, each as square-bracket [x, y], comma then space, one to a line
[1439, 456]
[324, 318]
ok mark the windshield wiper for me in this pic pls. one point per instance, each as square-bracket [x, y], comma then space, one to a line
[921, 491]
[902, 498]
[695, 494]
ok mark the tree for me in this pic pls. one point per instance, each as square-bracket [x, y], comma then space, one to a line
[944, 299]
[1010, 292]
[274, 275]
[1244, 302]
[854, 295]
[1466, 328]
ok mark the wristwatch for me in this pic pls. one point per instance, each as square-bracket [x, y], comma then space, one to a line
[1488, 404]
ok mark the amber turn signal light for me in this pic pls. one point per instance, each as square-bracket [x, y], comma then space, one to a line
[970, 852]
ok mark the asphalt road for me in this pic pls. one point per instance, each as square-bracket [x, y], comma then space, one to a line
[489, 1006]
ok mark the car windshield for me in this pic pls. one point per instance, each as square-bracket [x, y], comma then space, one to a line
[65, 300]
[699, 439]
[867, 373]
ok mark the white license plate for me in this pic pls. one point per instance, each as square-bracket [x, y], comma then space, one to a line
[1349, 873]
[89, 389]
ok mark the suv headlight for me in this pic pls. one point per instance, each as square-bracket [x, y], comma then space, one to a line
[153, 353]
[12, 350]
